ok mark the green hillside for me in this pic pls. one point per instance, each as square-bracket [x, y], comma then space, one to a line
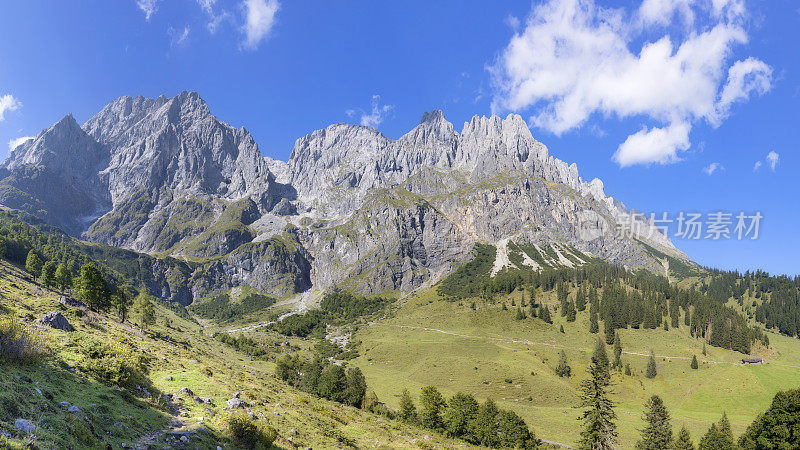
[98, 366]
[490, 353]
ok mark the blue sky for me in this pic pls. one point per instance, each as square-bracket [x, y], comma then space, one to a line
[647, 95]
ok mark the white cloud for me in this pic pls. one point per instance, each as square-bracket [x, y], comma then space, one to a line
[744, 77]
[713, 167]
[512, 22]
[14, 143]
[207, 5]
[375, 116]
[149, 7]
[574, 59]
[656, 145]
[260, 18]
[8, 103]
[772, 159]
[757, 166]
[177, 37]
[215, 18]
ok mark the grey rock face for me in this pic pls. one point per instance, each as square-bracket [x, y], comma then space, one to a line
[54, 319]
[350, 208]
[24, 426]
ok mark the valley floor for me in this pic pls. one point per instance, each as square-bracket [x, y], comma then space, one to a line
[488, 353]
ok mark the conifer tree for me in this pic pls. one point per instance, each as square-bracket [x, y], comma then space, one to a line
[600, 431]
[521, 314]
[580, 300]
[561, 329]
[431, 403]
[617, 352]
[651, 366]
[563, 369]
[628, 369]
[684, 440]
[544, 314]
[408, 412]
[459, 415]
[594, 326]
[608, 328]
[571, 313]
[144, 310]
[600, 355]
[63, 277]
[694, 364]
[657, 435]
[49, 274]
[718, 437]
[33, 264]
[485, 426]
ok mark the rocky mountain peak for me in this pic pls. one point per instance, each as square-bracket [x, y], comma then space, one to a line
[434, 115]
[64, 147]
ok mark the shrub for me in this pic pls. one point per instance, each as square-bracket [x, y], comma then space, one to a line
[115, 363]
[19, 342]
[246, 432]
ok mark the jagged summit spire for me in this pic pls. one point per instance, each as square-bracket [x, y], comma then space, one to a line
[434, 115]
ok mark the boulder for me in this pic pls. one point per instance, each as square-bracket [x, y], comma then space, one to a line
[235, 403]
[54, 319]
[69, 301]
[24, 426]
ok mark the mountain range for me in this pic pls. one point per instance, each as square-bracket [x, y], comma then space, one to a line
[351, 208]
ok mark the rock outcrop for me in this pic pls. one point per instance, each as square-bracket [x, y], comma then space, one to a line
[350, 208]
[55, 319]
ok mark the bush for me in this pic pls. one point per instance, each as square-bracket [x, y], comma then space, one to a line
[246, 433]
[114, 363]
[19, 342]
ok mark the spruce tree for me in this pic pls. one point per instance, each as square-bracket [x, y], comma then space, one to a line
[628, 369]
[717, 438]
[408, 412]
[657, 435]
[600, 356]
[563, 369]
[608, 328]
[580, 300]
[521, 314]
[651, 366]
[571, 313]
[683, 441]
[694, 364]
[600, 431]
[594, 326]
[544, 314]
[561, 329]
[617, 352]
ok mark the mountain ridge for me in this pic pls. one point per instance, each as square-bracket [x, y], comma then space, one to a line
[350, 207]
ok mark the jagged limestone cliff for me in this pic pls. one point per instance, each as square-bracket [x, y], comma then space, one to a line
[350, 208]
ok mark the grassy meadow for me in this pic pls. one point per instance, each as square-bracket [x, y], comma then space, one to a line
[489, 353]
